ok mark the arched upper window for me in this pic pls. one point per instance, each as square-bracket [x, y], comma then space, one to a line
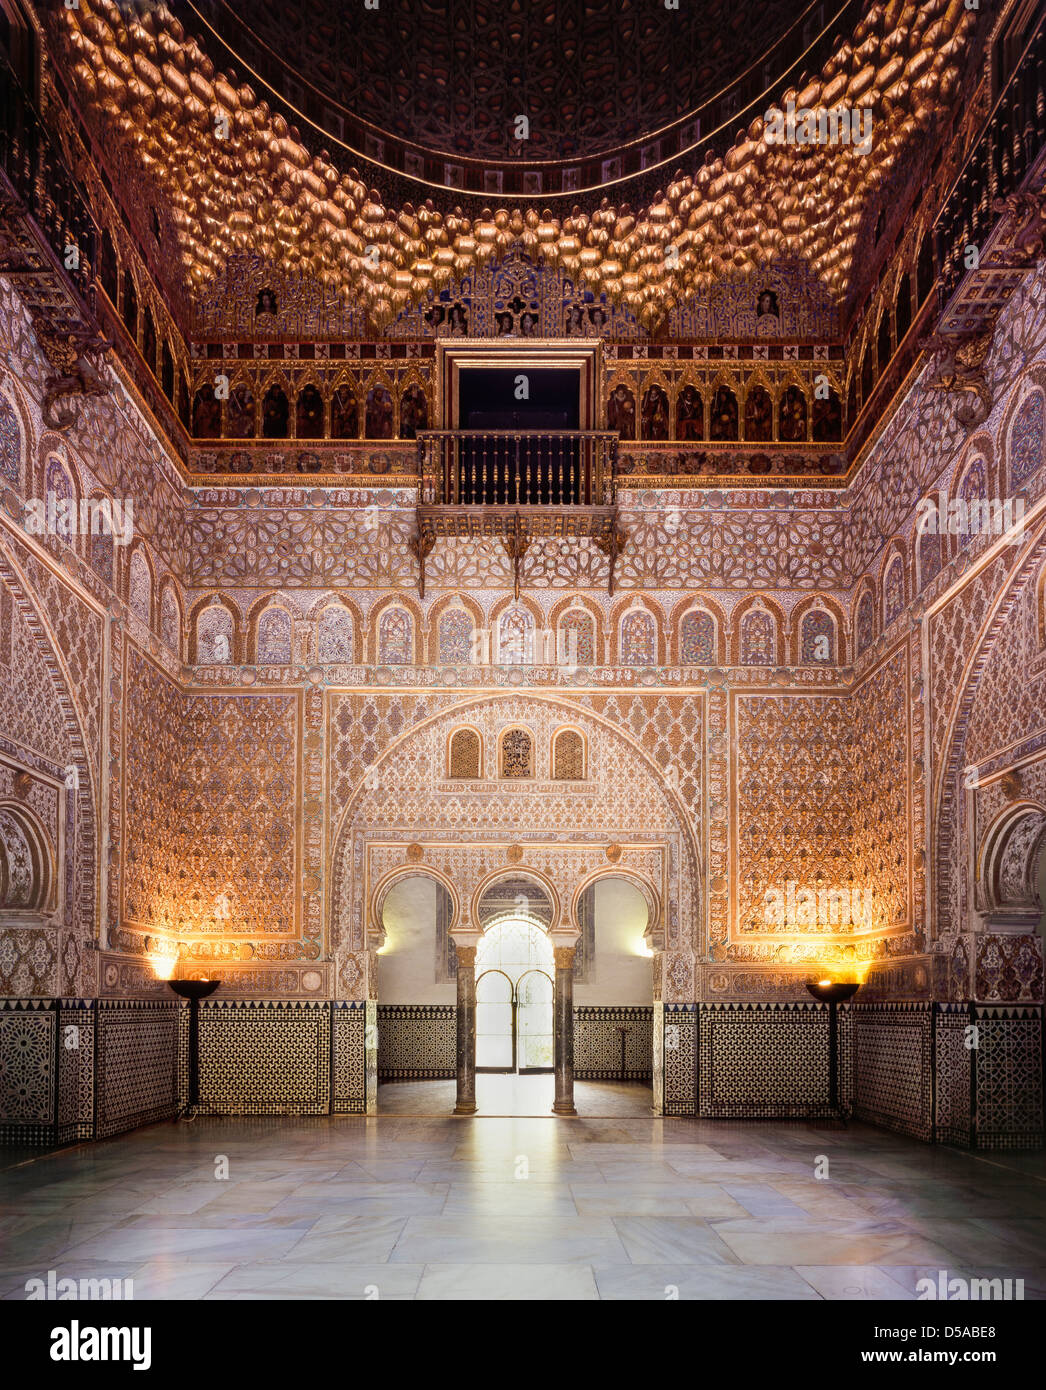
[928, 552]
[517, 753]
[577, 638]
[60, 489]
[697, 638]
[275, 630]
[638, 643]
[1026, 438]
[974, 484]
[758, 641]
[893, 591]
[455, 637]
[395, 638]
[101, 541]
[25, 862]
[817, 642]
[10, 445]
[865, 623]
[171, 621]
[214, 634]
[516, 637]
[465, 759]
[140, 586]
[335, 635]
[568, 756]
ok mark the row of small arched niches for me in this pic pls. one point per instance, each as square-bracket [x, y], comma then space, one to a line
[759, 636]
[225, 409]
[516, 755]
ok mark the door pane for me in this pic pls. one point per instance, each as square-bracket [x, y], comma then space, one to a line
[535, 1020]
[494, 1021]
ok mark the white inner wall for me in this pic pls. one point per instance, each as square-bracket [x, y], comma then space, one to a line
[407, 965]
[621, 975]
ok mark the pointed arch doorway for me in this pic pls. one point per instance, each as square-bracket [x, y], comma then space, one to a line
[515, 971]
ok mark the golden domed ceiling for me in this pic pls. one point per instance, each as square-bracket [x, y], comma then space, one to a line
[452, 76]
[234, 176]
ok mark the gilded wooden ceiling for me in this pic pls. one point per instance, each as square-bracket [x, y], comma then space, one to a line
[232, 176]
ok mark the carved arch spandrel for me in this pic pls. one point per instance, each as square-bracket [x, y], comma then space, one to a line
[355, 825]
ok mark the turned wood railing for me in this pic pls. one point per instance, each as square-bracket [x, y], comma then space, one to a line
[997, 162]
[35, 166]
[537, 468]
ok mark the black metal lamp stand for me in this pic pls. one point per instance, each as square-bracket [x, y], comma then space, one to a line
[194, 991]
[833, 993]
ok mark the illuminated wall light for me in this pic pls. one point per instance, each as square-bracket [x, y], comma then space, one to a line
[164, 963]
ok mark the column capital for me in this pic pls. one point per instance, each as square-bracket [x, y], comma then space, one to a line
[564, 956]
[466, 956]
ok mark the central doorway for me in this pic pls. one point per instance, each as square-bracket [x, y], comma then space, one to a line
[514, 995]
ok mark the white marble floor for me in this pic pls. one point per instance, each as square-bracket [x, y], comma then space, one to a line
[627, 1207]
[508, 1094]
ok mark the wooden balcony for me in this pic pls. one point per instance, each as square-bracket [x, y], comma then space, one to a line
[518, 486]
[512, 468]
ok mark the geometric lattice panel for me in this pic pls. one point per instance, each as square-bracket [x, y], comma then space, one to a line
[348, 1059]
[598, 1032]
[1008, 1100]
[264, 1057]
[759, 1060]
[893, 1067]
[27, 1066]
[136, 1070]
[680, 1059]
[417, 1042]
[953, 1057]
[76, 1030]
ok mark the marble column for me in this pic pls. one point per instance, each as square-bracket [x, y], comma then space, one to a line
[563, 1031]
[466, 1031]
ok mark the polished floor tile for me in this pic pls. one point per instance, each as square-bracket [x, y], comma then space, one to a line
[622, 1205]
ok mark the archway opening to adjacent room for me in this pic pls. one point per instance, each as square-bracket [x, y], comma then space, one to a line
[514, 991]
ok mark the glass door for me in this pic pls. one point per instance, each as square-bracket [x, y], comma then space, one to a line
[495, 1023]
[534, 1021]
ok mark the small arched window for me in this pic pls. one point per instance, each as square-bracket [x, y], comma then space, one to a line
[577, 639]
[214, 634]
[758, 638]
[335, 635]
[171, 621]
[516, 638]
[274, 637]
[140, 586]
[568, 756]
[25, 862]
[638, 639]
[395, 638]
[817, 638]
[697, 638]
[465, 759]
[893, 591]
[517, 754]
[865, 623]
[455, 635]
[10, 445]
[1026, 439]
